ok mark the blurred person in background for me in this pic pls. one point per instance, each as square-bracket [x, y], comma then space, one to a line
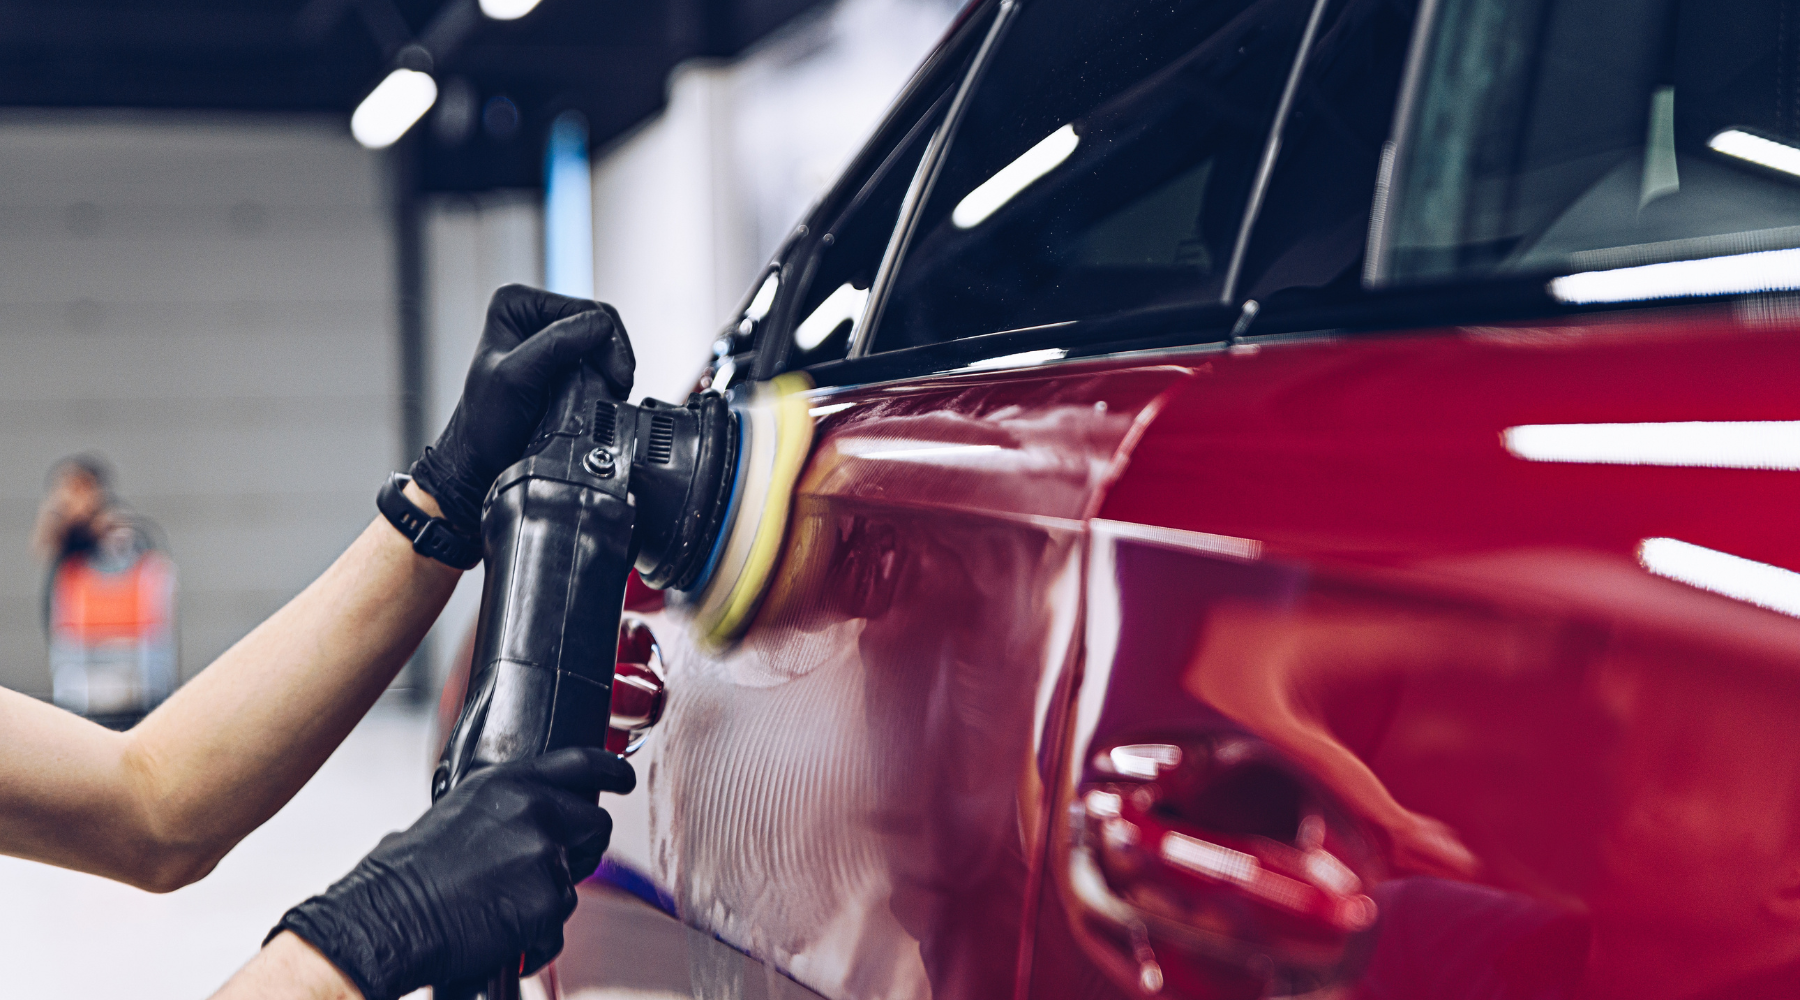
[109, 597]
[486, 877]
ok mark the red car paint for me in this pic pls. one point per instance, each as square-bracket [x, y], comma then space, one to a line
[1426, 714]
[1570, 772]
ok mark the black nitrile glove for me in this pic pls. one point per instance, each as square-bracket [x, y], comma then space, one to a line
[486, 875]
[530, 338]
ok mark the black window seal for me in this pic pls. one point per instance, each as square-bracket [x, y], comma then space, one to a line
[1265, 168]
[1376, 265]
[774, 341]
[941, 144]
[918, 193]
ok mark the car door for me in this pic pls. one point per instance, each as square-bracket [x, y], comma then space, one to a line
[854, 792]
[1437, 638]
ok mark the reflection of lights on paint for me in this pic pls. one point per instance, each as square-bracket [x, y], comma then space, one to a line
[1764, 271]
[913, 451]
[1732, 576]
[1119, 833]
[1102, 805]
[1180, 538]
[1328, 871]
[1016, 176]
[1209, 859]
[1357, 913]
[1718, 444]
[1019, 360]
[392, 108]
[844, 304]
[1756, 149]
[1143, 760]
[827, 410]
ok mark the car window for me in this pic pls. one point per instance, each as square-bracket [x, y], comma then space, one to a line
[1312, 228]
[1101, 165]
[850, 250]
[855, 223]
[1594, 134]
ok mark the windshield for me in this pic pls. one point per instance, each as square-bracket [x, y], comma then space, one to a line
[1538, 136]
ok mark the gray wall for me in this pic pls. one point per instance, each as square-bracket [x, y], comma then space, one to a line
[206, 301]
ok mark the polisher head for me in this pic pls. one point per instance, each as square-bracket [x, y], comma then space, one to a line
[713, 481]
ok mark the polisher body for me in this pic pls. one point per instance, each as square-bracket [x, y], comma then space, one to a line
[605, 484]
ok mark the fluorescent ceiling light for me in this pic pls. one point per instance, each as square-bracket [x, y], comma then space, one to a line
[1766, 271]
[392, 108]
[1015, 177]
[846, 303]
[1758, 150]
[507, 10]
[1743, 579]
[1713, 444]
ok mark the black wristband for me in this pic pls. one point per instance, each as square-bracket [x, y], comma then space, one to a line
[430, 536]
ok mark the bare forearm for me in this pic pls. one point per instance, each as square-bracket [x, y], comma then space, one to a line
[158, 806]
[288, 969]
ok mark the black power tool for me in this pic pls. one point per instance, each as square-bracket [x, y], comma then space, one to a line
[561, 533]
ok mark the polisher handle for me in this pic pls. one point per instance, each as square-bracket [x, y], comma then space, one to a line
[557, 539]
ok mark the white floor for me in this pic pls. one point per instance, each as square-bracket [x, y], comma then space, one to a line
[64, 934]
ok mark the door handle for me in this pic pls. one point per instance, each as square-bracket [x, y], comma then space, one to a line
[1206, 866]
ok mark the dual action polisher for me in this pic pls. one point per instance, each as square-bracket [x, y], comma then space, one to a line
[695, 496]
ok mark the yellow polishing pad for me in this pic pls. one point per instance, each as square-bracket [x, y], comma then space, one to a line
[777, 437]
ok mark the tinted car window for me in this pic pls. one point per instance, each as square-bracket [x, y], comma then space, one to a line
[1101, 165]
[1313, 226]
[851, 248]
[1592, 134]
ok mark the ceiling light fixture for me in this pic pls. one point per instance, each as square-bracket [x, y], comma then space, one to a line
[392, 108]
[507, 10]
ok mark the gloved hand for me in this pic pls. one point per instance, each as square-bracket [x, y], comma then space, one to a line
[531, 337]
[486, 875]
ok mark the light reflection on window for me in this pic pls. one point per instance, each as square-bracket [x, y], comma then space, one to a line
[1016, 176]
[845, 305]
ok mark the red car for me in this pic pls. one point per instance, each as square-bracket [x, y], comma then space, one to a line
[1299, 505]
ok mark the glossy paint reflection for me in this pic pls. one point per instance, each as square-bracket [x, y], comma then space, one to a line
[1060, 663]
[853, 793]
[1575, 770]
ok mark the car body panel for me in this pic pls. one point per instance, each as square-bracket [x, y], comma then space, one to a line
[1578, 771]
[853, 792]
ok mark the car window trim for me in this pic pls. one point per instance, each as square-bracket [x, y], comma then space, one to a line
[1265, 168]
[1376, 266]
[799, 255]
[936, 152]
[924, 180]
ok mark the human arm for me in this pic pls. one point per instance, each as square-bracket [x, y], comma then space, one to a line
[158, 806]
[289, 969]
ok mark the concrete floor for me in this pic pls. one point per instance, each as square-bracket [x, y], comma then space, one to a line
[69, 935]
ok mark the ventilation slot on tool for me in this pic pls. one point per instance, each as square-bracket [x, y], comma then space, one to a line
[604, 415]
[662, 439]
